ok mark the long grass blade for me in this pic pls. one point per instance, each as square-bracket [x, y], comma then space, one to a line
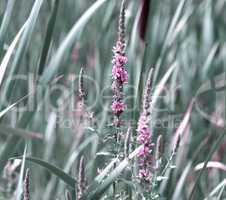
[20, 132]
[9, 53]
[48, 37]
[68, 42]
[53, 169]
[212, 150]
[19, 190]
[220, 186]
[7, 109]
[6, 20]
[97, 188]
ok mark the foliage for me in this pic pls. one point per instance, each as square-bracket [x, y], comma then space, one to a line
[56, 119]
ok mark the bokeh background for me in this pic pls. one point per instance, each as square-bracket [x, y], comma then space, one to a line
[60, 38]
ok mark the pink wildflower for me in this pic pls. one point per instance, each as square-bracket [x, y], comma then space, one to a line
[119, 73]
[144, 151]
[143, 174]
[144, 133]
[118, 107]
[119, 47]
[144, 137]
[120, 60]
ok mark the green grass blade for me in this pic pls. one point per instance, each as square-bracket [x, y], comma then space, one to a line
[4, 111]
[9, 53]
[216, 189]
[209, 60]
[22, 46]
[168, 37]
[19, 190]
[48, 37]
[212, 150]
[5, 22]
[181, 182]
[68, 42]
[174, 23]
[19, 132]
[96, 190]
[12, 141]
[53, 169]
[219, 197]
[159, 88]
[77, 151]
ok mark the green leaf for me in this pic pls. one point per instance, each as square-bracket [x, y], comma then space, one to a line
[48, 37]
[168, 37]
[68, 42]
[74, 155]
[19, 189]
[19, 132]
[12, 141]
[174, 23]
[9, 53]
[209, 60]
[162, 83]
[99, 186]
[212, 150]
[5, 22]
[4, 111]
[181, 182]
[217, 189]
[53, 169]
[22, 47]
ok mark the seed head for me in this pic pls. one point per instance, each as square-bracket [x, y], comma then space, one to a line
[81, 179]
[26, 185]
[147, 92]
[121, 29]
[81, 85]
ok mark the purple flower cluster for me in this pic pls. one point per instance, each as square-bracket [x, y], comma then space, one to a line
[144, 138]
[143, 129]
[144, 134]
[119, 73]
[120, 77]
[144, 173]
[118, 107]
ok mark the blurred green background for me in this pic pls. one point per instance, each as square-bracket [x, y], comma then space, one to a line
[61, 37]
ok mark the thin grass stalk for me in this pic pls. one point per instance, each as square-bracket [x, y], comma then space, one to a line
[27, 185]
[82, 184]
[212, 150]
[68, 195]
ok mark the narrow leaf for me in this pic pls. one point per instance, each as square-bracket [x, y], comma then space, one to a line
[53, 169]
[68, 42]
[9, 53]
[97, 188]
[48, 37]
[3, 112]
[19, 189]
[20, 132]
[211, 164]
[162, 83]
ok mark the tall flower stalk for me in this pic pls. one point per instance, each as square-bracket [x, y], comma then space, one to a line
[144, 134]
[81, 187]
[119, 78]
[27, 185]
[119, 73]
